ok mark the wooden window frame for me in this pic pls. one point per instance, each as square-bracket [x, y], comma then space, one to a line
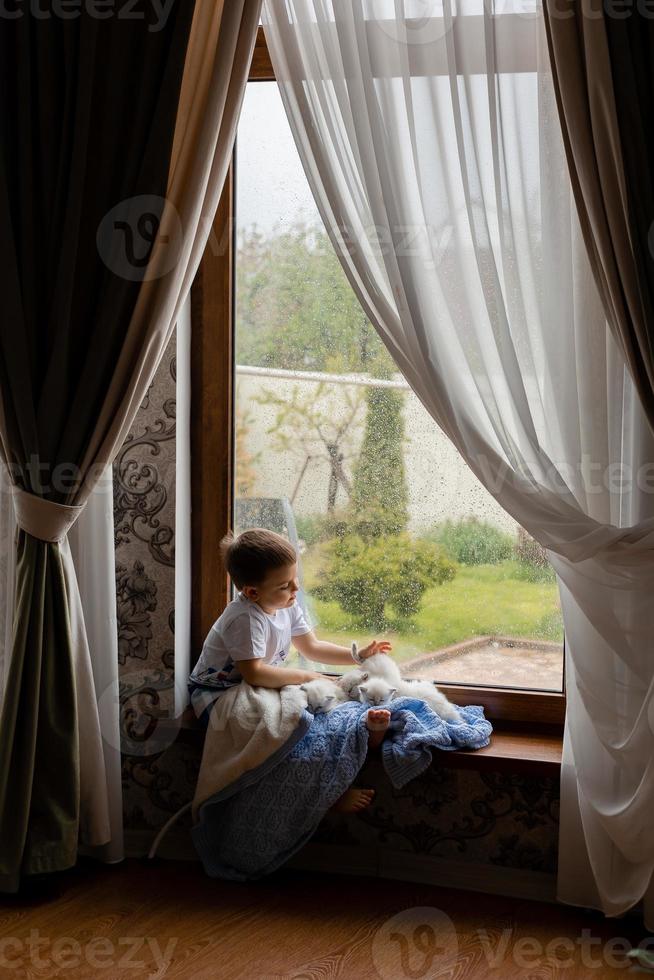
[212, 454]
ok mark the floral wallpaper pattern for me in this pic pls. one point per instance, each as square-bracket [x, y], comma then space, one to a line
[154, 785]
[136, 595]
[483, 817]
[488, 818]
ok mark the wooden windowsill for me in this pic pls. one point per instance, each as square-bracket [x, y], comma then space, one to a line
[516, 749]
[520, 751]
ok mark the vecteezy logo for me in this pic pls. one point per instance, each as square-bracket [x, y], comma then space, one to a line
[136, 713]
[424, 23]
[129, 234]
[418, 944]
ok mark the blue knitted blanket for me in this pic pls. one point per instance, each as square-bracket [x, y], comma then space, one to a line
[253, 826]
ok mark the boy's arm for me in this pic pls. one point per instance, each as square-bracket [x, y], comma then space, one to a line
[332, 653]
[260, 674]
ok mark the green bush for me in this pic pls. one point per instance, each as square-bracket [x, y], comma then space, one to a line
[309, 528]
[315, 528]
[473, 542]
[528, 550]
[532, 562]
[524, 572]
[366, 576]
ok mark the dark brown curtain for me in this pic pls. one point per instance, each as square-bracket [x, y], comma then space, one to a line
[603, 68]
[88, 120]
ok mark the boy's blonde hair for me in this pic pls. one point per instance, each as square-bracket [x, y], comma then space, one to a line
[249, 557]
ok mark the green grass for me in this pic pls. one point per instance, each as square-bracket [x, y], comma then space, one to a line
[481, 599]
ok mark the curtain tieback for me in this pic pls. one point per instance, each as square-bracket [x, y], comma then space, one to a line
[43, 519]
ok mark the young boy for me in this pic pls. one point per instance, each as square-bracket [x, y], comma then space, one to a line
[251, 639]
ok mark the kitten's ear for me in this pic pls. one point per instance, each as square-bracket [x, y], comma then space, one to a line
[393, 692]
[303, 687]
[363, 687]
[365, 676]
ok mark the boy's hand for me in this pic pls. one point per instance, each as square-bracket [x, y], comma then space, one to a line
[377, 646]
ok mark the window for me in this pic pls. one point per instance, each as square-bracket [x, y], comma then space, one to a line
[332, 448]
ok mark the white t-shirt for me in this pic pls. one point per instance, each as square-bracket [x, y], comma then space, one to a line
[243, 632]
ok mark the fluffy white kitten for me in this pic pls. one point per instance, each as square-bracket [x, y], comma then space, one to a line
[322, 695]
[380, 665]
[376, 692]
[428, 692]
[349, 683]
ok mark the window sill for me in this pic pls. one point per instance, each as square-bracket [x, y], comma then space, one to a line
[537, 752]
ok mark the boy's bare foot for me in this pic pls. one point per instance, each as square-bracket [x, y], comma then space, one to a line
[353, 800]
[377, 722]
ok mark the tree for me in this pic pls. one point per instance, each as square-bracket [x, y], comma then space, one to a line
[379, 491]
[316, 429]
[296, 309]
[246, 460]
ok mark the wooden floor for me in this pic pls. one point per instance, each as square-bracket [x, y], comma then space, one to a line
[167, 919]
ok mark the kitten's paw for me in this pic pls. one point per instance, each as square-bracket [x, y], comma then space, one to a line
[377, 722]
[378, 719]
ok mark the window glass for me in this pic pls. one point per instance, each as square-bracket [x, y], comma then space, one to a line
[396, 536]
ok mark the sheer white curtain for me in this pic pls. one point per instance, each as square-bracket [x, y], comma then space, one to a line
[183, 510]
[430, 138]
[91, 544]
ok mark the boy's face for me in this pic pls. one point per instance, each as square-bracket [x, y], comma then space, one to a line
[277, 591]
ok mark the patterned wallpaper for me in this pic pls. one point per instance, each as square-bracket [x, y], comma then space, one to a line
[482, 818]
[487, 818]
[155, 784]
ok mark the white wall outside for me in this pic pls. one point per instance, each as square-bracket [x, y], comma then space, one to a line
[440, 484]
